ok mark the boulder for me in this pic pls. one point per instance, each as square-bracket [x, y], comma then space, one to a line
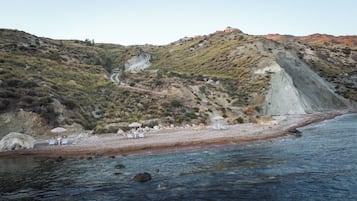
[295, 132]
[16, 141]
[119, 166]
[142, 177]
[201, 126]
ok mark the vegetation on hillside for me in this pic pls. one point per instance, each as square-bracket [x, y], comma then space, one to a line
[68, 81]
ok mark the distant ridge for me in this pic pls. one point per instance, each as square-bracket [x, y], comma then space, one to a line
[318, 39]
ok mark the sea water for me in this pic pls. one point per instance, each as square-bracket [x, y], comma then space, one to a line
[320, 165]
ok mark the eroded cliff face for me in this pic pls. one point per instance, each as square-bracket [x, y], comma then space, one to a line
[296, 89]
[138, 63]
[22, 122]
[282, 96]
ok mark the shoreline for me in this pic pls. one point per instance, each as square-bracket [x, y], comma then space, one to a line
[167, 140]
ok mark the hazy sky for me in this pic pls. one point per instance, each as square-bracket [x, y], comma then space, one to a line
[164, 21]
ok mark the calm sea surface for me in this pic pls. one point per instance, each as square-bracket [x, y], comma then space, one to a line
[320, 165]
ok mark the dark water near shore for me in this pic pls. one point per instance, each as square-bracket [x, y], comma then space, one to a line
[320, 165]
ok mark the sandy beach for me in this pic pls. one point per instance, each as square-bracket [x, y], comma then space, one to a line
[174, 138]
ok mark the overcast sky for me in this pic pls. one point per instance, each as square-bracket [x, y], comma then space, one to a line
[158, 22]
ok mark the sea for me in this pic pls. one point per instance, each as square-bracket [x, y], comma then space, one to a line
[319, 165]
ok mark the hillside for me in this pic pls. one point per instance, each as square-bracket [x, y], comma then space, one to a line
[82, 85]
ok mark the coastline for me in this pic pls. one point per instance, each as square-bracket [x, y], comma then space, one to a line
[175, 139]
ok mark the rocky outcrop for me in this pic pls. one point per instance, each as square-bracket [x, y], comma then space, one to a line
[16, 141]
[119, 166]
[138, 63]
[296, 89]
[22, 122]
[142, 177]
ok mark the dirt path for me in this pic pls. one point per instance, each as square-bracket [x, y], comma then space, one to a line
[114, 77]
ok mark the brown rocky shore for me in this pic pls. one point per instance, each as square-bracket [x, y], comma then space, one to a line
[174, 138]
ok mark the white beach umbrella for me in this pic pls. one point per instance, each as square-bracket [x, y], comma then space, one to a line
[135, 125]
[58, 130]
[217, 118]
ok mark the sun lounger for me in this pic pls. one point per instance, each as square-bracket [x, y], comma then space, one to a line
[64, 141]
[52, 142]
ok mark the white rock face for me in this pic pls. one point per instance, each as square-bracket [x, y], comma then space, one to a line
[138, 63]
[282, 97]
[296, 89]
[16, 141]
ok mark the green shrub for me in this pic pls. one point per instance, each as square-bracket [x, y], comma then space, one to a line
[126, 93]
[70, 104]
[160, 73]
[4, 104]
[28, 99]
[179, 118]
[196, 109]
[106, 59]
[240, 120]
[176, 103]
[89, 126]
[159, 83]
[14, 83]
[9, 94]
[54, 56]
[191, 115]
[89, 42]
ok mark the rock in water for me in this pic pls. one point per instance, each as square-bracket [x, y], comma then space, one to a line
[295, 132]
[16, 141]
[120, 166]
[142, 177]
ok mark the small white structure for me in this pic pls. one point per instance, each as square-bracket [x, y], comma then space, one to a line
[218, 123]
[130, 136]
